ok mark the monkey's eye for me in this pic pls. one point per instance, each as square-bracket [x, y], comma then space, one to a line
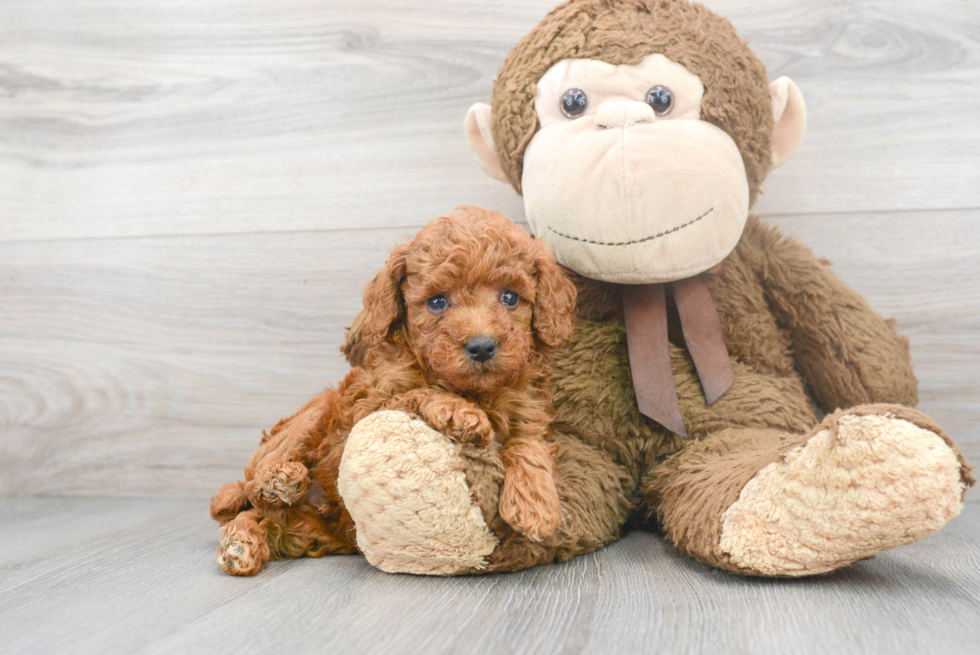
[509, 298]
[574, 102]
[437, 304]
[661, 99]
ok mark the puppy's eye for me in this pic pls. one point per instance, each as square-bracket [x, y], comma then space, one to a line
[510, 299]
[661, 99]
[574, 102]
[437, 303]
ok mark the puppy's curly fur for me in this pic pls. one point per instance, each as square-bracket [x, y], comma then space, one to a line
[458, 328]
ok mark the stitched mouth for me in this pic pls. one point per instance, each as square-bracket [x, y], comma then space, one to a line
[627, 243]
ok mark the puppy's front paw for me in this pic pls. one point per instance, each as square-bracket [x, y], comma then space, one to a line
[534, 512]
[529, 500]
[458, 419]
[242, 552]
[472, 426]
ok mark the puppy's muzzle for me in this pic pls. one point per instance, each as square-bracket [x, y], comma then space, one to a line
[481, 348]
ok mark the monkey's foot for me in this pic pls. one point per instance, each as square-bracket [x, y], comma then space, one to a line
[870, 479]
[280, 483]
[242, 551]
[404, 485]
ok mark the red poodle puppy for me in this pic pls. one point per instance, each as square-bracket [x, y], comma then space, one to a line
[458, 328]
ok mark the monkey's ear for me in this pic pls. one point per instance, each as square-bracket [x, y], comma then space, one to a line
[789, 119]
[480, 136]
[383, 302]
[554, 306]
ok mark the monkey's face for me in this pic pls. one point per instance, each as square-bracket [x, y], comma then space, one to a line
[624, 180]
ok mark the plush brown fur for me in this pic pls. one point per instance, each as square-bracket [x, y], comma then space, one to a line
[776, 339]
[736, 96]
[594, 494]
[799, 338]
[693, 491]
[613, 462]
[415, 361]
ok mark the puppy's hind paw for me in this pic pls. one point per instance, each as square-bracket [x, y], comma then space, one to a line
[241, 552]
[280, 483]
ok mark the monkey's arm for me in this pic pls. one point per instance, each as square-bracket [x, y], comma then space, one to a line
[847, 353]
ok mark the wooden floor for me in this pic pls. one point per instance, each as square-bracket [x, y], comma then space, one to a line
[192, 196]
[136, 576]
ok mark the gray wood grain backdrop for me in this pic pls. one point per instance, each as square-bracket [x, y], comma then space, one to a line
[192, 195]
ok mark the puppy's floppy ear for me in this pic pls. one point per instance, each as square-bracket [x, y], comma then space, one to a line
[354, 344]
[554, 307]
[383, 303]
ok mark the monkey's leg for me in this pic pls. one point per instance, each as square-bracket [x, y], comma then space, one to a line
[424, 504]
[765, 502]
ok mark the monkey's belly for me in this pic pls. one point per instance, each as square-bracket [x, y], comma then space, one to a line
[595, 401]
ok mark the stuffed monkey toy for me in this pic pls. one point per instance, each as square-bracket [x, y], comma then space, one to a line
[707, 345]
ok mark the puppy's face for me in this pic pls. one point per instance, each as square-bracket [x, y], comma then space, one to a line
[474, 296]
[472, 334]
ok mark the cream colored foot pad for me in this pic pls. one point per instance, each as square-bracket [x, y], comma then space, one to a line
[404, 486]
[878, 483]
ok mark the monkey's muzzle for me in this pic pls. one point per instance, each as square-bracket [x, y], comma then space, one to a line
[638, 203]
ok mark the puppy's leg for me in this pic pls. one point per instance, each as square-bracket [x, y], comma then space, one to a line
[244, 546]
[228, 502]
[277, 484]
[529, 498]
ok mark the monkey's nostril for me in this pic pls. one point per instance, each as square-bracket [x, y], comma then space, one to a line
[623, 113]
[481, 349]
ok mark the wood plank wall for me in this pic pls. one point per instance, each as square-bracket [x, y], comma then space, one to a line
[192, 195]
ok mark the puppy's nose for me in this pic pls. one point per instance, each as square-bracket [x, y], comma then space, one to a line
[481, 348]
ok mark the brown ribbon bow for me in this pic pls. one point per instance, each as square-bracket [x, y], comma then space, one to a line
[645, 312]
